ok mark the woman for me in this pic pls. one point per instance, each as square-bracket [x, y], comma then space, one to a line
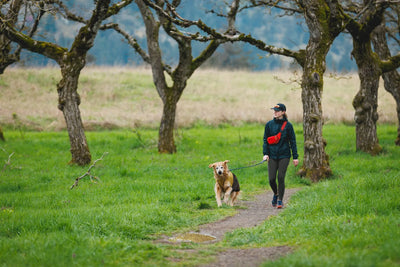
[277, 151]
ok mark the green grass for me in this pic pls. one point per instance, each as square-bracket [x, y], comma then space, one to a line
[351, 219]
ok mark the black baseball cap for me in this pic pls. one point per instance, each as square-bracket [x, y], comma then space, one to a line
[279, 107]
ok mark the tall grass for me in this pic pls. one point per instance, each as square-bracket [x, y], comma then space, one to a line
[350, 219]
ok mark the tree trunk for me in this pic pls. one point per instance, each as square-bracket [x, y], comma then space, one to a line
[6, 59]
[365, 102]
[71, 61]
[68, 103]
[2, 135]
[392, 85]
[324, 27]
[391, 79]
[316, 161]
[166, 143]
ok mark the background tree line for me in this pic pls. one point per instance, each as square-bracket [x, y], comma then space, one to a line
[290, 31]
[367, 22]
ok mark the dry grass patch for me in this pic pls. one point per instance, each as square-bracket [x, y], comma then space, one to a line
[126, 97]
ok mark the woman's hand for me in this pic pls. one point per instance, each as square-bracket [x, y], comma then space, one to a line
[265, 158]
[295, 162]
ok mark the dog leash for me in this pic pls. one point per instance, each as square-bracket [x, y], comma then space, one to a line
[248, 166]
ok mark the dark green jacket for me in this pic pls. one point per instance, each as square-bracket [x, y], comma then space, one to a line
[288, 140]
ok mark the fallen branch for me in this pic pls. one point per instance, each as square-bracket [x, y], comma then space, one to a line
[8, 162]
[88, 172]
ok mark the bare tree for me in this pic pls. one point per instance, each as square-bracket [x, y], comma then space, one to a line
[71, 62]
[325, 23]
[360, 20]
[324, 19]
[186, 66]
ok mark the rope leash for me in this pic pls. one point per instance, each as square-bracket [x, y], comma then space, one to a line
[248, 166]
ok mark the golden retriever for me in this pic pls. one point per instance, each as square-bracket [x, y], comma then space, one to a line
[225, 183]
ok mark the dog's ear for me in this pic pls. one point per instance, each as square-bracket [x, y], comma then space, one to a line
[211, 165]
[226, 161]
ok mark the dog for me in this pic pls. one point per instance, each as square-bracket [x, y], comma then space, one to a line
[226, 183]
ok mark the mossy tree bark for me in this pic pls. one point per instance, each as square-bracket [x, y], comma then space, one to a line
[325, 22]
[365, 102]
[370, 68]
[68, 103]
[6, 56]
[391, 78]
[68, 98]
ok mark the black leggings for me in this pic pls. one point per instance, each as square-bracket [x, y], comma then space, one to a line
[277, 166]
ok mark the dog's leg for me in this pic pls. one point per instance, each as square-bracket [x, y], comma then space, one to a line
[227, 195]
[218, 194]
[233, 197]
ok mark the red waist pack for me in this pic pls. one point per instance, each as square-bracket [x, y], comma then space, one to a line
[273, 140]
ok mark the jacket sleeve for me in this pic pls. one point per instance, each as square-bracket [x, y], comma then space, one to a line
[292, 141]
[265, 145]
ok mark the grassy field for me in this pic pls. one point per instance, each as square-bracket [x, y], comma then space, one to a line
[123, 97]
[351, 219]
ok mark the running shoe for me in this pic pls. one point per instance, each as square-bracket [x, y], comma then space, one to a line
[274, 200]
[280, 204]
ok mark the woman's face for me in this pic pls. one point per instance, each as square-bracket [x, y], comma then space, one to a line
[278, 114]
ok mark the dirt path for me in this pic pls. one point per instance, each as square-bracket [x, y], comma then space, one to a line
[257, 210]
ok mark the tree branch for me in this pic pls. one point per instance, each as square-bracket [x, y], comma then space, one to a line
[88, 172]
[47, 49]
[231, 36]
[232, 16]
[275, 4]
[8, 162]
[84, 40]
[152, 32]
[390, 64]
[375, 17]
[115, 8]
[64, 11]
[205, 54]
